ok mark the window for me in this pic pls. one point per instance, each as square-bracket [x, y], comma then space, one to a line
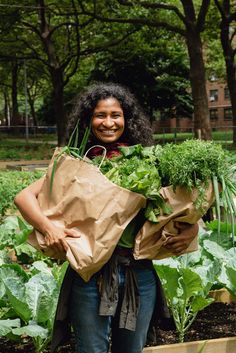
[226, 93]
[213, 95]
[213, 114]
[228, 114]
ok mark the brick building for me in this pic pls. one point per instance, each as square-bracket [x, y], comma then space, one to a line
[219, 110]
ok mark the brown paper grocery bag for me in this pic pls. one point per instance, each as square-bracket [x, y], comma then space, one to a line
[150, 241]
[84, 199]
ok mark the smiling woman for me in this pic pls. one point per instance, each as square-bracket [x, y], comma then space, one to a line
[118, 301]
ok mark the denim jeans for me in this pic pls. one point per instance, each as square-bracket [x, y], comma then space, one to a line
[93, 333]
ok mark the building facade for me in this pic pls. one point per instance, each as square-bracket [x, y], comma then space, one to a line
[220, 112]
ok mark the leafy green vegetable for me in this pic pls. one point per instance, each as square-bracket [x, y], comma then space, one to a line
[192, 164]
[185, 293]
[137, 171]
[31, 297]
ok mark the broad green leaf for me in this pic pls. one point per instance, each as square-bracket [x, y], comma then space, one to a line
[190, 259]
[59, 272]
[2, 289]
[4, 258]
[215, 250]
[6, 326]
[231, 274]
[199, 303]
[14, 279]
[41, 295]
[32, 330]
[208, 274]
[190, 282]
[169, 278]
[169, 261]
[231, 257]
[40, 266]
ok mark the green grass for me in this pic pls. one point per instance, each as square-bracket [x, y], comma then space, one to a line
[18, 149]
[221, 136]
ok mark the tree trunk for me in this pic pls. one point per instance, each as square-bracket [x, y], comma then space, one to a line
[58, 104]
[198, 85]
[231, 72]
[32, 110]
[16, 120]
[7, 109]
[230, 64]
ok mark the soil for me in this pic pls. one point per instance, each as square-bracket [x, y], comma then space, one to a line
[218, 320]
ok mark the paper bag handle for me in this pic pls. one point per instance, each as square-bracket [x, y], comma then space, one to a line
[103, 154]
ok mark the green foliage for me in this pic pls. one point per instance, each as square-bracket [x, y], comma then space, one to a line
[156, 72]
[185, 293]
[187, 279]
[33, 298]
[28, 293]
[216, 253]
[192, 165]
[17, 150]
[13, 238]
[136, 170]
[12, 182]
[192, 162]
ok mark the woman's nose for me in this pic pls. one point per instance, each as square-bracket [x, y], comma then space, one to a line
[108, 121]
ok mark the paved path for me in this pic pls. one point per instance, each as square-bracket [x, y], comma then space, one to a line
[23, 164]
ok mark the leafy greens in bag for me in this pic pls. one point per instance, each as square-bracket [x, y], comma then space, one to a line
[192, 164]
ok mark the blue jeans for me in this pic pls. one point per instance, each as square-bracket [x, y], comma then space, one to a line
[93, 332]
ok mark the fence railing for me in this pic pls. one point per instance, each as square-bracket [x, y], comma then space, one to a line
[32, 131]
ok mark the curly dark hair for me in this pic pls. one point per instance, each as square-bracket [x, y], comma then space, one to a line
[137, 125]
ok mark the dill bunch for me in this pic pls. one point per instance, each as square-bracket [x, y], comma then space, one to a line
[196, 163]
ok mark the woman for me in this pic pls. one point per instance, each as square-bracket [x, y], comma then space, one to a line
[118, 302]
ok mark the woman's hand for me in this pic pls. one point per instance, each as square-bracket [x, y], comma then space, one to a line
[55, 237]
[178, 244]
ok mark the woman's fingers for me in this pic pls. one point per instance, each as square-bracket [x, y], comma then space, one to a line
[57, 239]
[179, 243]
[72, 233]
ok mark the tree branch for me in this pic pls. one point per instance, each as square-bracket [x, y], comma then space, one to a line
[140, 21]
[158, 6]
[106, 45]
[201, 18]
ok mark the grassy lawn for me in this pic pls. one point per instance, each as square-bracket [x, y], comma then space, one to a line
[179, 136]
[17, 149]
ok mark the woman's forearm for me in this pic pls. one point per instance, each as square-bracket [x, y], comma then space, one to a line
[27, 203]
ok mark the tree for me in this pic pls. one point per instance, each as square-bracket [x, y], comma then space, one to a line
[57, 35]
[227, 12]
[188, 21]
[155, 72]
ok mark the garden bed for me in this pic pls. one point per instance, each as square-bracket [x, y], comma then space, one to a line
[216, 323]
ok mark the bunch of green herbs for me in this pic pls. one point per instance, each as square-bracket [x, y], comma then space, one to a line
[193, 164]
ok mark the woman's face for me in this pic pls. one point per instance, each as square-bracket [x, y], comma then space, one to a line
[108, 121]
